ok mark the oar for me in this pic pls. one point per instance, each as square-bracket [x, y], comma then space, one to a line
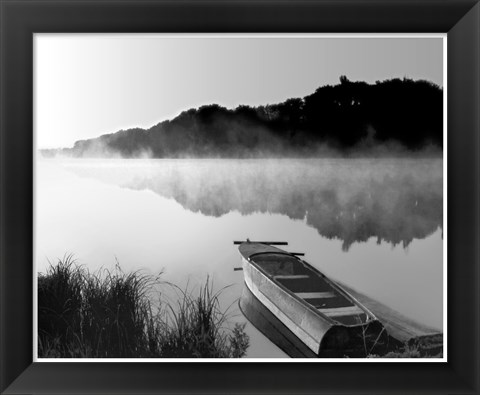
[273, 243]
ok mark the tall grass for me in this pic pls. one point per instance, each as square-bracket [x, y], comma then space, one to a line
[110, 314]
[197, 326]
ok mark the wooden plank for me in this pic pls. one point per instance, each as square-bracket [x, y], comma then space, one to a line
[291, 276]
[396, 324]
[341, 311]
[315, 295]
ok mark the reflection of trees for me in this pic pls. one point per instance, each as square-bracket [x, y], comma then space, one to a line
[411, 214]
[395, 203]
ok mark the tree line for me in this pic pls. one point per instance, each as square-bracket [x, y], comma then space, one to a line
[347, 117]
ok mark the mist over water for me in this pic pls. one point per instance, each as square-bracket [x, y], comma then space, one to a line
[392, 200]
[180, 216]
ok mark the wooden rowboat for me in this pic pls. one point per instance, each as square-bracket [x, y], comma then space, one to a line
[319, 312]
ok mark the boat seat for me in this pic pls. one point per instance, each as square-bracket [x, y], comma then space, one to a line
[341, 311]
[315, 295]
[310, 283]
[291, 276]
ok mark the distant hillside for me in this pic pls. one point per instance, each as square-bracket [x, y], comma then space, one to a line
[348, 117]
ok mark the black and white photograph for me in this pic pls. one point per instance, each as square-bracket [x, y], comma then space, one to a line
[240, 197]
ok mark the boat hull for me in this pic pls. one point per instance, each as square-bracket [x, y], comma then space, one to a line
[294, 314]
[271, 327]
[317, 331]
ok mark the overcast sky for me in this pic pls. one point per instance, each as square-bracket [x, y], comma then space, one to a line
[88, 85]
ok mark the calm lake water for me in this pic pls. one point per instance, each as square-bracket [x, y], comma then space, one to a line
[375, 225]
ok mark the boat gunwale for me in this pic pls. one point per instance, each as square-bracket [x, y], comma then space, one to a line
[303, 301]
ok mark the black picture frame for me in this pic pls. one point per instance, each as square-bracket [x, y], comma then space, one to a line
[20, 19]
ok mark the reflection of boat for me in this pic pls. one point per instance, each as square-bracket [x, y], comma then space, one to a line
[320, 313]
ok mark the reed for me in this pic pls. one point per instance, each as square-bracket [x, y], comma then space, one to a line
[110, 314]
[196, 327]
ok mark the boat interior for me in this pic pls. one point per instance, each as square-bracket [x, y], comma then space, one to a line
[314, 289]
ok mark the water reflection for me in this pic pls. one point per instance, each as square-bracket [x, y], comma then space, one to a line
[392, 200]
[81, 209]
